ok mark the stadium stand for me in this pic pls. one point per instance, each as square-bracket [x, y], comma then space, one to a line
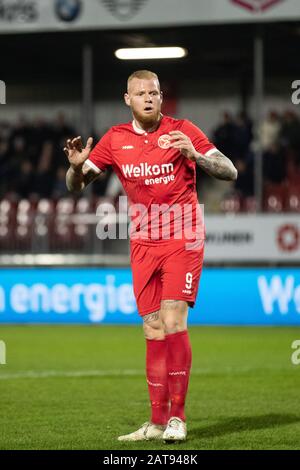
[36, 209]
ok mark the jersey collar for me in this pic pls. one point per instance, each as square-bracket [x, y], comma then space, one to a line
[141, 131]
[137, 129]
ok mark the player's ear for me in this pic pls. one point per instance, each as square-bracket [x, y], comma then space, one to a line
[161, 96]
[127, 99]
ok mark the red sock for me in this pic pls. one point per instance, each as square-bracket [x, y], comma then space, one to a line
[179, 359]
[157, 379]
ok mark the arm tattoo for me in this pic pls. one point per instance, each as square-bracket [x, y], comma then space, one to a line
[151, 317]
[217, 165]
[74, 180]
[77, 181]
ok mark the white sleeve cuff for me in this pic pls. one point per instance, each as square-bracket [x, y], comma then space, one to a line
[211, 152]
[92, 166]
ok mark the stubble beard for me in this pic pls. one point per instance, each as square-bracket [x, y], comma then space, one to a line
[147, 121]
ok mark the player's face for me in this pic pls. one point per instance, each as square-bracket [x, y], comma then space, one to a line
[145, 99]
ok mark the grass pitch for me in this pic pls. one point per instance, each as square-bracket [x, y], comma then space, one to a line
[79, 387]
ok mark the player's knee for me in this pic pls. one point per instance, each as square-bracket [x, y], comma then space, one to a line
[154, 331]
[174, 316]
[173, 325]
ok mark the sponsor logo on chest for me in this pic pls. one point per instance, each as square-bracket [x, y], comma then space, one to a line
[145, 169]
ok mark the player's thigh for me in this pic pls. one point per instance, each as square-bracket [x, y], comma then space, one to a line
[147, 285]
[153, 326]
[181, 273]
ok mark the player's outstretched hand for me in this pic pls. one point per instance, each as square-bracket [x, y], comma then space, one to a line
[183, 143]
[76, 153]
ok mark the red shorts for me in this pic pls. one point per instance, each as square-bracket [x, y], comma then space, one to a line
[165, 272]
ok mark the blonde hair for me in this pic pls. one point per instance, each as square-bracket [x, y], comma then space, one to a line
[146, 74]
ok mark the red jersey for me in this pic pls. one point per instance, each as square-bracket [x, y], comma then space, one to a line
[159, 181]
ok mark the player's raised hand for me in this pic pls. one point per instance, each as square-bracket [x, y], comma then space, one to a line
[183, 143]
[76, 153]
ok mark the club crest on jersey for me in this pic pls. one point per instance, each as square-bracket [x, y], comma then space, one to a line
[164, 141]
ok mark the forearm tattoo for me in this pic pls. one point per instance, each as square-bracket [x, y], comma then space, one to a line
[77, 181]
[74, 180]
[217, 165]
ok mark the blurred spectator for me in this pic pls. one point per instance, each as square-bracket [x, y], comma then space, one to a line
[274, 167]
[45, 175]
[270, 131]
[244, 184]
[15, 155]
[24, 181]
[59, 188]
[33, 165]
[242, 135]
[61, 131]
[225, 134]
[30, 156]
[290, 134]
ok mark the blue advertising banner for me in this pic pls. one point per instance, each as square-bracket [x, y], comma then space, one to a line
[227, 296]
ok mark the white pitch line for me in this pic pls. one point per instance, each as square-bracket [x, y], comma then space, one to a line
[44, 374]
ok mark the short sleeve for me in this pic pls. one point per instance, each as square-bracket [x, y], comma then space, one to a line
[200, 141]
[101, 155]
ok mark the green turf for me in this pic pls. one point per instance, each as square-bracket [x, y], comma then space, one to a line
[244, 392]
